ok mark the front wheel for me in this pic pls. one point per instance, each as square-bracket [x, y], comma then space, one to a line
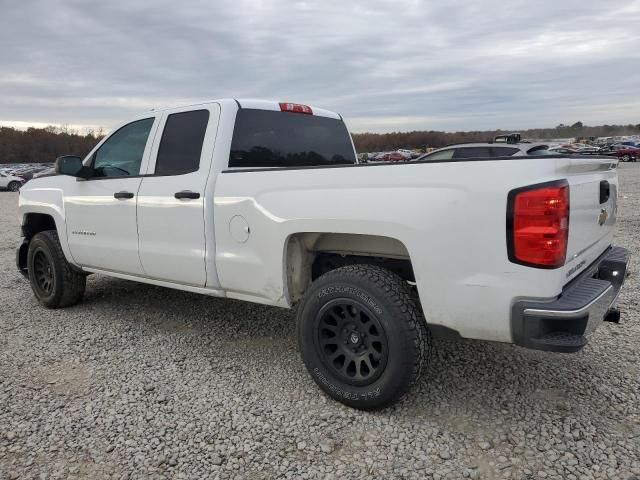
[54, 283]
[626, 158]
[362, 336]
[13, 186]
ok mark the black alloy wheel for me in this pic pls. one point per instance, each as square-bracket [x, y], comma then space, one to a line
[362, 335]
[43, 272]
[351, 342]
[54, 282]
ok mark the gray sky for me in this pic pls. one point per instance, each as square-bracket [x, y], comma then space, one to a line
[386, 66]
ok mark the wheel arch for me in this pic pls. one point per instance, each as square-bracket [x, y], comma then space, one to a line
[14, 182]
[33, 223]
[308, 255]
[42, 210]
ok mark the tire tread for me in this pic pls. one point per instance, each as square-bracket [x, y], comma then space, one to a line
[401, 295]
[404, 299]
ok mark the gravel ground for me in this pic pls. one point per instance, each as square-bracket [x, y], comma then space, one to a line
[140, 381]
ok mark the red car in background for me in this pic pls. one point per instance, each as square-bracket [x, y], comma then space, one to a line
[394, 157]
[625, 153]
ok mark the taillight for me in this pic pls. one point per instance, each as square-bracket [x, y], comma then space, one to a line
[538, 224]
[296, 108]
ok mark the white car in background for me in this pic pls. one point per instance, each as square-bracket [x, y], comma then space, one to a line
[484, 150]
[10, 182]
[47, 172]
[583, 147]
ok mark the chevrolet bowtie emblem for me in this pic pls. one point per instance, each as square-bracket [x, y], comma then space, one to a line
[602, 217]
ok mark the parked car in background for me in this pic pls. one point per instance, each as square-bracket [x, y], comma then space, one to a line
[44, 173]
[564, 150]
[25, 170]
[11, 182]
[583, 148]
[488, 149]
[395, 157]
[409, 153]
[625, 153]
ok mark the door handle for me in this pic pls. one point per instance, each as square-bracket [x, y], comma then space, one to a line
[187, 194]
[123, 195]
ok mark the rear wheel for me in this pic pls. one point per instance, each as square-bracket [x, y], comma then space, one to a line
[626, 158]
[362, 336]
[54, 283]
[13, 186]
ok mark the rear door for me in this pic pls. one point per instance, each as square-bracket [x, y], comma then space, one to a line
[171, 201]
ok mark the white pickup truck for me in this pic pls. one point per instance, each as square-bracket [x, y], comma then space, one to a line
[265, 202]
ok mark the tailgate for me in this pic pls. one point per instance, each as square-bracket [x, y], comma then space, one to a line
[593, 189]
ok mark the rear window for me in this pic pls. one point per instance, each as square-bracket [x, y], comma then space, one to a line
[266, 138]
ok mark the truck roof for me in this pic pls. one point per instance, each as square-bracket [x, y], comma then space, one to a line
[258, 104]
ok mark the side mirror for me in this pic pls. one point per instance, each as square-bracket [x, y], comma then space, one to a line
[71, 165]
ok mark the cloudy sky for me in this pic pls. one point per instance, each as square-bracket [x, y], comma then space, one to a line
[385, 65]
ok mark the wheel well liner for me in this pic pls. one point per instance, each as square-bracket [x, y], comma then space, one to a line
[311, 254]
[36, 223]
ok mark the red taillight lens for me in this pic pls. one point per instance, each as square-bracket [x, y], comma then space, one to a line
[538, 225]
[296, 108]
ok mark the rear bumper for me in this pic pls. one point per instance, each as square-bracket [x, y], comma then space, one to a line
[564, 324]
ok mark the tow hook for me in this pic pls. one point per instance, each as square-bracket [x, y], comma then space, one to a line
[613, 315]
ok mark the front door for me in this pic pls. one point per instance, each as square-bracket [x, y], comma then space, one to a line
[101, 211]
[171, 200]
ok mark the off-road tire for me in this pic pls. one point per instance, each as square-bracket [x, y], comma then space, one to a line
[388, 298]
[65, 286]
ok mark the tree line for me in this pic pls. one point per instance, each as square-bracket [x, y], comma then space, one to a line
[46, 144]
[380, 142]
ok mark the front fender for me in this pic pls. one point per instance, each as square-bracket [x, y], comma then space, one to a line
[39, 197]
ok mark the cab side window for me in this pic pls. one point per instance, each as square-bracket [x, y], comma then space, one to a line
[181, 144]
[121, 154]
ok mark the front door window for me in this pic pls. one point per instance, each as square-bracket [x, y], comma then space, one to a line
[121, 154]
